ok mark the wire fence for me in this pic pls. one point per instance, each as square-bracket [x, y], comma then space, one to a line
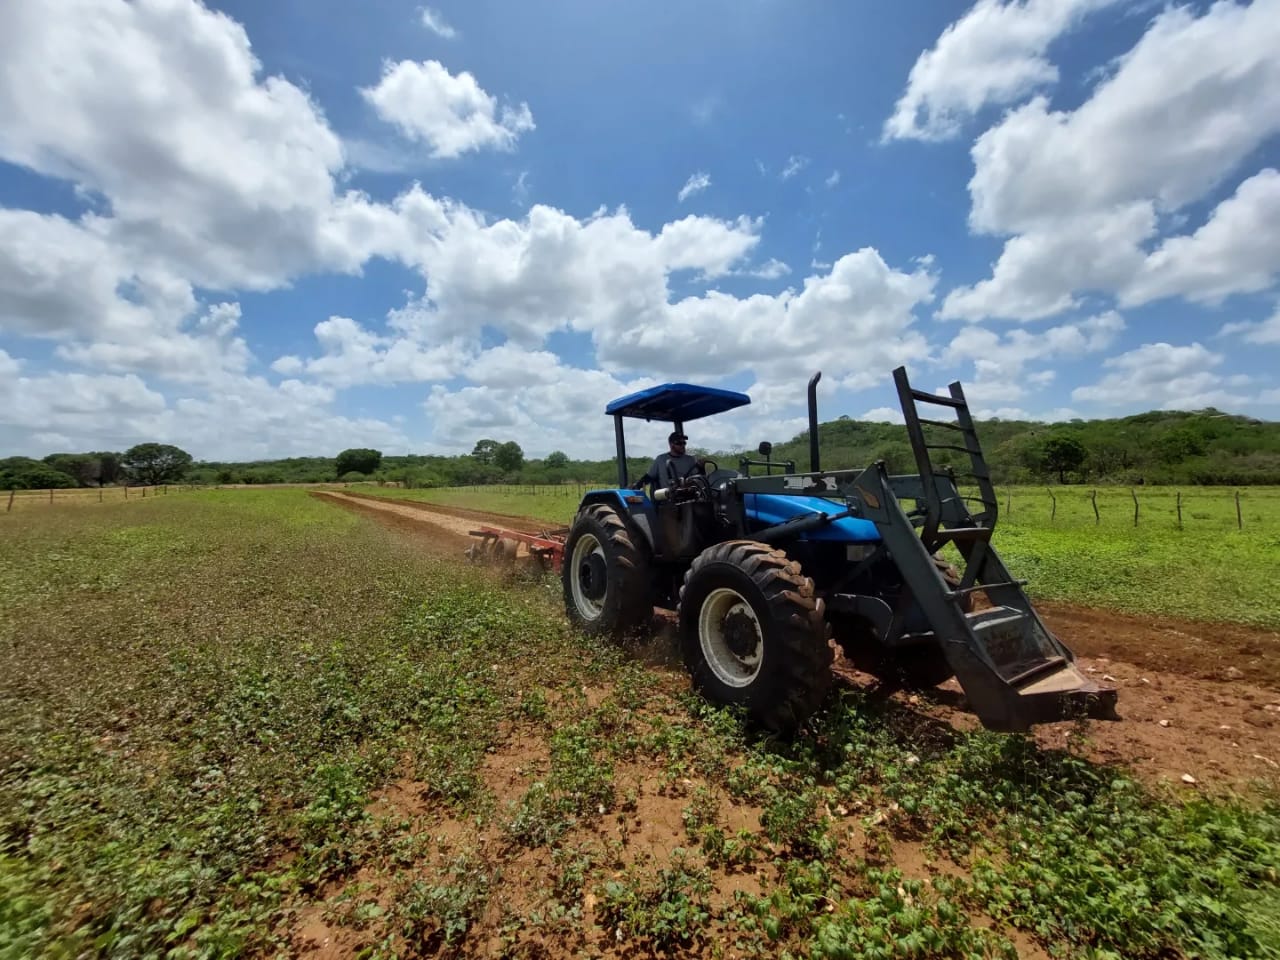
[1198, 507]
[1251, 508]
[1137, 507]
[79, 495]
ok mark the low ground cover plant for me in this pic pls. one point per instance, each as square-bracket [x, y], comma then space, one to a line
[230, 718]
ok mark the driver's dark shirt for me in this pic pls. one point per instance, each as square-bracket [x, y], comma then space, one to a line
[659, 474]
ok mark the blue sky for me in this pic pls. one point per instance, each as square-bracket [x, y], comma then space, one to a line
[260, 230]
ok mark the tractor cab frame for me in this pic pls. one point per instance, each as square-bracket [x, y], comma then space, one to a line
[673, 403]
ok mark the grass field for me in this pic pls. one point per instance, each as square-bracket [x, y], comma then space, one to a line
[1209, 569]
[228, 718]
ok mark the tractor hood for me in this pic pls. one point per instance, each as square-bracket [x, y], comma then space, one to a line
[766, 509]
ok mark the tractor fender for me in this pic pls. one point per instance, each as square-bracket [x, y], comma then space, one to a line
[635, 507]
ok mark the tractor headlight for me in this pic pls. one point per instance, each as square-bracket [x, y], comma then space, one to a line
[856, 552]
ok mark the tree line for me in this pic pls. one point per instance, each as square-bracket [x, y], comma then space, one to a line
[1204, 447]
[1162, 447]
[146, 464]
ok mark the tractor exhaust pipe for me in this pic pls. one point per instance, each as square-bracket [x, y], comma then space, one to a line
[813, 422]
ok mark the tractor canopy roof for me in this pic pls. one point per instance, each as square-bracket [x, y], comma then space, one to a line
[676, 402]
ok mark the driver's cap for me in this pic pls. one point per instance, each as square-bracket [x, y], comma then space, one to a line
[676, 435]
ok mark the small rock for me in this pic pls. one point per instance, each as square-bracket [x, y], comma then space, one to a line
[912, 760]
[1109, 678]
[1143, 680]
[1234, 673]
[1188, 778]
[1164, 723]
[1224, 726]
[1258, 756]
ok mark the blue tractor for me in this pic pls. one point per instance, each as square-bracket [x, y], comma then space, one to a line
[766, 572]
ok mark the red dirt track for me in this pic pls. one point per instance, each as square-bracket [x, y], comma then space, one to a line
[1196, 699]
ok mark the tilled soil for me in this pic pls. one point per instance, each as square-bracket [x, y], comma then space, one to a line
[1197, 700]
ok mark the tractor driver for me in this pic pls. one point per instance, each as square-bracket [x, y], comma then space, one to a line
[674, 461]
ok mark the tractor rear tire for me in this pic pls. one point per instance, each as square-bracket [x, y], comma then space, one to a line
[605, 575]
[754, 635]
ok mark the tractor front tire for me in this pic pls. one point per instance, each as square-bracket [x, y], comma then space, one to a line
[754, 635]
[605, 575]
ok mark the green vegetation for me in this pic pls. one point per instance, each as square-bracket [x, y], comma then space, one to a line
[152, 464]
[147, 463]
[359, 460]
[1205, 447]
[1206, 570]
[227, 717]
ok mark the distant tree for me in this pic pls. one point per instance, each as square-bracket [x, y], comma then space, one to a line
[485, 450]
[109, 469]
[153, 463]
[84, 468]
[508, 457]
[1063, 453]
[358, 460]
[1179, 444]
[23, 473]
[556, 460]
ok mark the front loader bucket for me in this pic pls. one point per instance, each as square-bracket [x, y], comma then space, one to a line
[1016, 674]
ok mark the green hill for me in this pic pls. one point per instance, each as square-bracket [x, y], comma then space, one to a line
[1200, 447]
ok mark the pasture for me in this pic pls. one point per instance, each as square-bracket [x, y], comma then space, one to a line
[1214, 567]
[251, 723]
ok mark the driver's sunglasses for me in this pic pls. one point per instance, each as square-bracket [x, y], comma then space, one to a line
[677, 443]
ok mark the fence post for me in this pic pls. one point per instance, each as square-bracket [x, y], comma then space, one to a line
[126, 491]
[1179, 509]
[1135, 505]
[1008, 502]
[1054, 511]
[11, 493]
[99, 493]
[51, 494]
[1239, 518]
[1097, 519]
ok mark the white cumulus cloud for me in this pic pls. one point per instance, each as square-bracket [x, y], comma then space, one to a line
[1163, 375]
[451, 115]
[1084, 191]
[994, 54]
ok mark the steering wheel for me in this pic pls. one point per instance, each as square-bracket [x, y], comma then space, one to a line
[700, 486]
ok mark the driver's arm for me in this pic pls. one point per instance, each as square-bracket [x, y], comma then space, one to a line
[652, 476]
